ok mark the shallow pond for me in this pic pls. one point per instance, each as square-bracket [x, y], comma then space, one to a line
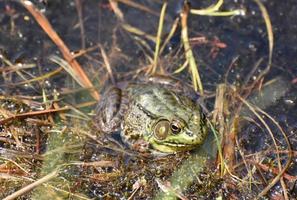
[231, 53]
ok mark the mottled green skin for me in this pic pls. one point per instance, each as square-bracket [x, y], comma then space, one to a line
[152, 117]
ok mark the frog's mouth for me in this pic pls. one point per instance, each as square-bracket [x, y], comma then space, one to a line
[171, 147]
[172, 144]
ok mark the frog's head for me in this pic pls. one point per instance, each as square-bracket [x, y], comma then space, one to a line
[178, 125]
[173, 135]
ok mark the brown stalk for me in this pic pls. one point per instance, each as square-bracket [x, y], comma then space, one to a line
[229, 143]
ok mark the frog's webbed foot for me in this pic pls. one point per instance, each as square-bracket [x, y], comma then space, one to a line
[110, 110]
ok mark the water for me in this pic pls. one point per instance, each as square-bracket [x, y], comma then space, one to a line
[244, 40]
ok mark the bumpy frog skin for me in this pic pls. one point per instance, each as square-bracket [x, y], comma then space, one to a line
[153, 116]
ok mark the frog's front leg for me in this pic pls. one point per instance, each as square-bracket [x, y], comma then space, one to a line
[110, 110]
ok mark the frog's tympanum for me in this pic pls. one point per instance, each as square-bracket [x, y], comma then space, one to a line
[152, 117]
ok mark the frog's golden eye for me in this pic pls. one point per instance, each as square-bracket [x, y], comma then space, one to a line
[161, 129]
[175, 127]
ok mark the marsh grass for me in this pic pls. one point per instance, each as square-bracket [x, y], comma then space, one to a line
[51, 160]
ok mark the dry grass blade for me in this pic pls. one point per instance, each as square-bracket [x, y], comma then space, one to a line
[46, 26]
[275, 171]
[47, 111]
[18, 71]
[30, 187]
[79, 114]
[137, 31]
[143, 44]
[219, 146]
[100, 163]
[229, 143]
[268, 24]
[116, 9]
[181, 68]
[66, 66]
[138, 6]
[15, 68]
[168, 189]
[188, 51]
[14, 153]
[213, 10]
[216, 6]
[270, 92]
[78, 4]
[250, 169]
[251, 73]
[39, 78]
[171, 33]
[77, 196]
[281, 171]
[17, 165]
[107, 65]
[227, 137]
[221, 14]
[9, 177]
[153, 69]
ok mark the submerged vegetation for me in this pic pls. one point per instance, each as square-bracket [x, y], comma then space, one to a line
[49, 146]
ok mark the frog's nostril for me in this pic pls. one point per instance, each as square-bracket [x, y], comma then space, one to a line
[189, 133]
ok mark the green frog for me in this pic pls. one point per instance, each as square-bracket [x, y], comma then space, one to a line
[154, 116]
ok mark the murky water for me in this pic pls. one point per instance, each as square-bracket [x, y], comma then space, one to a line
[234, 47]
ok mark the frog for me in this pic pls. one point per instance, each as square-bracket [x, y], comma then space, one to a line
[157, 116]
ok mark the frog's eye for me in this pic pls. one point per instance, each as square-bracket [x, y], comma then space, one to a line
[175, 127]
[161, 129]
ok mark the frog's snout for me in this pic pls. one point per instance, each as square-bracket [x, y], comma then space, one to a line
[189, 133]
